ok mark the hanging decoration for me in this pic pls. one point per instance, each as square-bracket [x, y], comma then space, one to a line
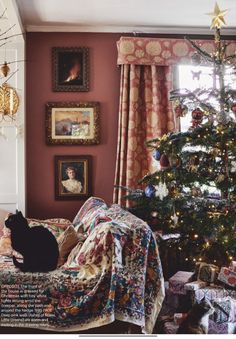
[9, 99]
[9, 103]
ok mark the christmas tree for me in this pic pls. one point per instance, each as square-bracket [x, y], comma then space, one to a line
[192, 194]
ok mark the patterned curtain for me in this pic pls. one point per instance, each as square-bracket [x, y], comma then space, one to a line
[145, 111]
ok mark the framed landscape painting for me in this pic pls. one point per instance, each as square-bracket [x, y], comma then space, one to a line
[73, 177]
[72, 123]
[70, 69]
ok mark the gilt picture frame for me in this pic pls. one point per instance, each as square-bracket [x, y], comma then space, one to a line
[72, 123]
[70, 69]
[73, 177]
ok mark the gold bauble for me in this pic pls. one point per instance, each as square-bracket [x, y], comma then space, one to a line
[196, 192]
[174, 160]
[220, 178]
[9, 100]
[5, 69]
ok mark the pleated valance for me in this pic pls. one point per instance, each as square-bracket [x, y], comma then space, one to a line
[162, 51]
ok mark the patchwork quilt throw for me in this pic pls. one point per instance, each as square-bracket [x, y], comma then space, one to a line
[115, 273]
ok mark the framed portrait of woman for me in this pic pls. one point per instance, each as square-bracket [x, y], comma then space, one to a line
[73, 177]
[70, 68]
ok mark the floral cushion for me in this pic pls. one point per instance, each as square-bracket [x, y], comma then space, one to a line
[5, 244]
[71, 260]
[56, 225]
[66, 241]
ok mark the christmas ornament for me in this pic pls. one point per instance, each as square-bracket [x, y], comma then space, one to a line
[181, 111]
[174, 160]
[161, 190]
[156, 154]
[193, 163]
[164, 161]
[233, 167]
[196, 59]
[215, 152]
[220, 178]
[233, 107]
[197, 116]
[175, 218]
[196, 192]
[218, 17]
[223, 117]
[175, 191]
[196, 75]
[150, 191]
[5, 69]
[154, 214]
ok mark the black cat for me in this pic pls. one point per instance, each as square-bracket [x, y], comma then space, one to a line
[37, 245]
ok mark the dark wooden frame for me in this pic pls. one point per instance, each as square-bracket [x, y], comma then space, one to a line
[62, 141]
[72, 158]
[57, 87]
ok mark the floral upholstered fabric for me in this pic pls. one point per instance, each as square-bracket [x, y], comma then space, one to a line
[115, 274]
[56, 225]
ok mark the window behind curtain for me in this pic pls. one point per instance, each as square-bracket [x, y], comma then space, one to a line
[193, 77]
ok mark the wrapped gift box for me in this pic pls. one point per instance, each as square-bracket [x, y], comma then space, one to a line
[227, 277]
[223, 328]
[177, 282]
[206, 272]
[212, 293]
[175, 303]
[195, 285]
[223, 308]
[213, 328]
[232, 266]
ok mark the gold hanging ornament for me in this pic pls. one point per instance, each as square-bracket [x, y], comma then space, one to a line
[5, 69]
[9, 102]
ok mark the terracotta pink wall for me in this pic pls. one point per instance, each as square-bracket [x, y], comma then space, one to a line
[104, 87]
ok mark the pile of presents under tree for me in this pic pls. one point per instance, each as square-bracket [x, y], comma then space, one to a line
[184, 289]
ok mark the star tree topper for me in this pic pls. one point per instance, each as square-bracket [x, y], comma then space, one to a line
[218, 17]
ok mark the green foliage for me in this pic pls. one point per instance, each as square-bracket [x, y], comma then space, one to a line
[202, 218]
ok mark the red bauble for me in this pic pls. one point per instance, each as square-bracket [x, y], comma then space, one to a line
[164, 161]
[233, 107]
[197, 114]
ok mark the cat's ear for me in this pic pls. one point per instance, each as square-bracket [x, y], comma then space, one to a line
[19, 214]
[17, 211]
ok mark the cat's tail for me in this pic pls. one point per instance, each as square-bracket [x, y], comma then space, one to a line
[18, 264]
